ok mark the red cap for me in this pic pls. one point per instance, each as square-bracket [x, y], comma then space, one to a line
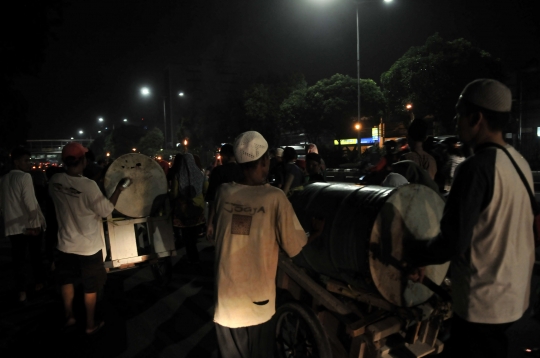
[73, 149]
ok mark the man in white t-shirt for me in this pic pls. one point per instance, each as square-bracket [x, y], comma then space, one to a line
[23, 220]
[252, 221]
[80, 205]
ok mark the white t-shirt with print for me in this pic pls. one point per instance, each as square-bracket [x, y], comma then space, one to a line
[79, 205]
[251, 224]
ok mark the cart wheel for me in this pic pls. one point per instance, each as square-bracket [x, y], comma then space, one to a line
[162, 271]
[299, 333]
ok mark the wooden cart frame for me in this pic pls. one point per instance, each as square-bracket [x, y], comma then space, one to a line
[345, 322]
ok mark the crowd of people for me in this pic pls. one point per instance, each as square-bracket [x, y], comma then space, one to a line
[486, 231]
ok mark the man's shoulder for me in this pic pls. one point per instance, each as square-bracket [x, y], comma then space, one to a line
[234, 188]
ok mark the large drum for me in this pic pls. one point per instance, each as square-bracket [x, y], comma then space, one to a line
[148, 189]
[365, 232]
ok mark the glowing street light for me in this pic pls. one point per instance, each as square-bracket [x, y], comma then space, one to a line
[100, 119]
[181, 94]
[357, 126]
[72, 138]
[125, 119]
[134, 149]
[108, 154]
[145, 91]
[409, 106]
[81, 132]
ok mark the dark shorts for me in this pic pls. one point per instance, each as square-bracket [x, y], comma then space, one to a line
[246, 342]
[90, 269]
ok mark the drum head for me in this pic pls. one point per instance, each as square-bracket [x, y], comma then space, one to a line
[148, 188]
[412, 212]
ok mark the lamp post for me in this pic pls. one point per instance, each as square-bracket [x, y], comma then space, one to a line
[358, 2]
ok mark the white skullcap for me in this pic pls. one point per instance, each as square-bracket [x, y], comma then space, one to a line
[249, 146]
[489, 94]
[394, 180]
[279, 152]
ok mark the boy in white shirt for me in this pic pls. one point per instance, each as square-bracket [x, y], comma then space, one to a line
[252, 221]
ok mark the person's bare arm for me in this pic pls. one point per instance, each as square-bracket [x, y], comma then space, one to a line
[119, 188]
[210, 226]
[288, 183]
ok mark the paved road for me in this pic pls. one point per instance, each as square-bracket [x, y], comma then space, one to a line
[143, 318]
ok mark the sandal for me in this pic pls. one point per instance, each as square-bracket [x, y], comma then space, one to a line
[96, 329]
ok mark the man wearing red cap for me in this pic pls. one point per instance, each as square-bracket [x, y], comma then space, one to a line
[80, 205]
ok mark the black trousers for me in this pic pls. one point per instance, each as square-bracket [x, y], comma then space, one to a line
[20, 245]
[246, 342]
[477, 340]
[190, 235]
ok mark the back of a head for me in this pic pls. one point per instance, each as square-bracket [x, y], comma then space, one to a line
[289, 153]
[490, 97]
[227, 150]
[73, 153]
[314, 157]
[391, 147]
[90, 156]
[249, 147]
[18, 152]
[417, 131]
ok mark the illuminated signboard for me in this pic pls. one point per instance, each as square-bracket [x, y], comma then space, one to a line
[375, 133]
[353, 141]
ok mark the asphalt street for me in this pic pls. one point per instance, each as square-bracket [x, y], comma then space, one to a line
[145, 318]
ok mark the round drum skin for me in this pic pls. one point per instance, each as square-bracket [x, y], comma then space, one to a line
[359, 216]
[412, 212]
[148, 188]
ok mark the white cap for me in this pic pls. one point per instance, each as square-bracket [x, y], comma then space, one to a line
[489, 94]
[279, 152]
[249, 146]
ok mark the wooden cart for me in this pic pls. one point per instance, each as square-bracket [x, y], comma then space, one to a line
[321, 317]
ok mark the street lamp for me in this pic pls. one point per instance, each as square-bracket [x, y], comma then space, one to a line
[100, 119]
[125, 119]
[81, 132]
[145, 91]
[358, 2]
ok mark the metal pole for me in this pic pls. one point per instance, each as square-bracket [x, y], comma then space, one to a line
[164, 124]
[520, 108]
[358, 73]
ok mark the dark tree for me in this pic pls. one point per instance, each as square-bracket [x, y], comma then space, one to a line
[432, 76]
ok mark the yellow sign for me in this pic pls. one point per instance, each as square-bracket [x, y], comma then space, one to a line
[346, 141]
[374, 132]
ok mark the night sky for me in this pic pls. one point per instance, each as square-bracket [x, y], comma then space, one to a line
[106, 51]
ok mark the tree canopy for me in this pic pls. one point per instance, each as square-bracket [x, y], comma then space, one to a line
[432, 76]
[263, 100]
[331, 105]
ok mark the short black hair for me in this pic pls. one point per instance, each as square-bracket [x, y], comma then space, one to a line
[313, 156]
[227, 149]
[90, 156]
[18, 152]
[417, 130]
[253, 164]
[496, 120]
[289, 153]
